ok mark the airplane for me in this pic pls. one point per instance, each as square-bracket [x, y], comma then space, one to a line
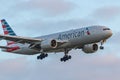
[86, 38]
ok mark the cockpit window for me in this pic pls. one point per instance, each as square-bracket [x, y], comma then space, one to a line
[106, 29]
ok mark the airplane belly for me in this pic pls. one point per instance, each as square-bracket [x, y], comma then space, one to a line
[26, 51]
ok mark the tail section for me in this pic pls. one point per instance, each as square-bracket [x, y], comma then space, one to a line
[7, 30]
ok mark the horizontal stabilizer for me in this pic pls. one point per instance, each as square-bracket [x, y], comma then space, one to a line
[5, 47]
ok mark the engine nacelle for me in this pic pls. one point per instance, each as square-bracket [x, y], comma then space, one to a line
[47, 44]
[90, 48]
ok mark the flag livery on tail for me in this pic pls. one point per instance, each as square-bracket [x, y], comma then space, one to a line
[7, 30]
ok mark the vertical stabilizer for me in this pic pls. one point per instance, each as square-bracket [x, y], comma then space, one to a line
[7, 30]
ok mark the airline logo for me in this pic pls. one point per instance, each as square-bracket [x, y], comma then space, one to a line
[6, 28]
[7, 31]
[88, 32]
[71, 35]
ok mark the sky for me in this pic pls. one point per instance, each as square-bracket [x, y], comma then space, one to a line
[31, 18]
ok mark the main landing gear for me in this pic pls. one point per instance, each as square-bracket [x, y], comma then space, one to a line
[42, 56]
[66, 56]
[63, 59]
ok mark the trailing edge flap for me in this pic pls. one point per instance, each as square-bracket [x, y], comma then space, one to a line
[19, 39]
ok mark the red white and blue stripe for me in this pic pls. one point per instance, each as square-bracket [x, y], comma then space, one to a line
[7, 30]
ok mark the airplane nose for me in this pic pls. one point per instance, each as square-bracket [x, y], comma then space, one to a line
[109, 33]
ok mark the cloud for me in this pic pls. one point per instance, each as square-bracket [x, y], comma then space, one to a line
[32, 9]
[84, 67]
[49, 7]
[87, 67]
[115, 40]
[42, 26]
[12, 68]
[106, 13]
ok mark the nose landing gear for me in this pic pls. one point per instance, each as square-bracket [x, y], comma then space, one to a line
[102, 42]
[101, 47]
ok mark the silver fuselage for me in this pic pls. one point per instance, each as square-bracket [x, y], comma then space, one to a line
[76, 38]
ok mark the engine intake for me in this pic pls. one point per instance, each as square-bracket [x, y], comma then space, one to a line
[54, 44]
[50, 44]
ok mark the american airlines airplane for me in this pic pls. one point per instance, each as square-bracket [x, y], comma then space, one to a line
[86, 39]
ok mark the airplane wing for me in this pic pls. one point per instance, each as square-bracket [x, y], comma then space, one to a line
[5, 47]
[20, 39]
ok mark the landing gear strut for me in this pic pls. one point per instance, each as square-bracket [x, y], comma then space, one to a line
[66, 56]
[42, 56]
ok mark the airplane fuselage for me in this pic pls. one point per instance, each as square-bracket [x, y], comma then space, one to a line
[86, 38]
[74, 39]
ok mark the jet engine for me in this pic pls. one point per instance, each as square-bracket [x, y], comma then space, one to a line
[90, 48]
[48, 44]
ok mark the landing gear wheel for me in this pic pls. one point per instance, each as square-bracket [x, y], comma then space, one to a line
[65, 58]
[69, 57]
[101, 47]
[61, 59]
[46, 55]
[38, 57]
[42, 56]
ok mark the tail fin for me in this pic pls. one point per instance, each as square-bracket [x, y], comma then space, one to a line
[7, 30]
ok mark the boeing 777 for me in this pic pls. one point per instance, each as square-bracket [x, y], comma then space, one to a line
[86, 38]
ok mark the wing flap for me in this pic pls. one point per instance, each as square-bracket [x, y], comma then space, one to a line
[20, 39]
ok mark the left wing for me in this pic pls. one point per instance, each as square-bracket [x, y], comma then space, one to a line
[20, 39]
